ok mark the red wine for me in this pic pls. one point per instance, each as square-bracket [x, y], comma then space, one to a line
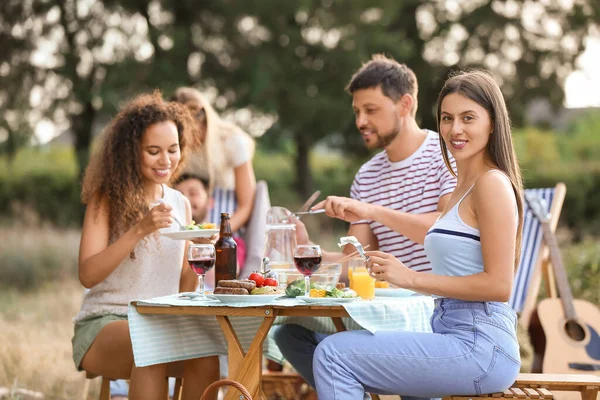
[308, 265]
[202, 266]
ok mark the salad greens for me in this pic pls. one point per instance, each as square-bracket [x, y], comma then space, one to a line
[196, 227]
[296, 288]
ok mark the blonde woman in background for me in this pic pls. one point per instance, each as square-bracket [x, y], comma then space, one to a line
[222, 154]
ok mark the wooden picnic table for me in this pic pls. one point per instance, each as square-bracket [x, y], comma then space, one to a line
[246, 367]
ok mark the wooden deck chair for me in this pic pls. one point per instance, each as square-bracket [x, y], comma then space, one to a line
[535, 264]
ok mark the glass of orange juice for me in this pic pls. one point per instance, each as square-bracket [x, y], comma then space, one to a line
[360, 280]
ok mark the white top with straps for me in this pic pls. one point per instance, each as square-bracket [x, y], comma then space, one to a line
[155, 271]
[452, 246]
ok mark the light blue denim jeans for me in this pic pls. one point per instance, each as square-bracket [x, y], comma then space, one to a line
[473, 350]
[297, 344]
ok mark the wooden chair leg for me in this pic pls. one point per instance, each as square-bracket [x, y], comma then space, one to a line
[178, 389]
[105, 389]
[589, 393]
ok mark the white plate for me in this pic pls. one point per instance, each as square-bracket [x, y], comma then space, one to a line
[246, 298]
[393, 292]
[323, 300]
[190, 234]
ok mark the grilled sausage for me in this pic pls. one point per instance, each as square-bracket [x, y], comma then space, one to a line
[237, 283]
[230, 290]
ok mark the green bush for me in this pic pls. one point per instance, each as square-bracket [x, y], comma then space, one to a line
[582, 261]
[33, 256]
[43, 182]
[53, 196]
[581, 210]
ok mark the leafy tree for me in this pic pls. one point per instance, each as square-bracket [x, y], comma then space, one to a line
[287, 59]
[16, 80]
[293, 59]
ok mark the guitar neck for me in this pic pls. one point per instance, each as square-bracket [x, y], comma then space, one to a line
[560, 274]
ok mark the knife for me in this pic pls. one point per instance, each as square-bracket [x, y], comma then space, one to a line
[311, 212]
[309, 202]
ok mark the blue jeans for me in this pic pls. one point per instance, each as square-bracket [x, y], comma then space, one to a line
[297, 344]
[473, 350]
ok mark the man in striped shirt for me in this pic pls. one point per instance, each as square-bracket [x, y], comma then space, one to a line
[395, 197]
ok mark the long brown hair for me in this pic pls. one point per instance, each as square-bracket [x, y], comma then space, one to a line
[113, 175]
[480, 87]
[211, 155]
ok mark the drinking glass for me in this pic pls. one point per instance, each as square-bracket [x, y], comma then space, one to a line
[201, 258]
[307, 259]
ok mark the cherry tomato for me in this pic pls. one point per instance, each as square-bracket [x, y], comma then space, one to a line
[271, 282]
[258, 278]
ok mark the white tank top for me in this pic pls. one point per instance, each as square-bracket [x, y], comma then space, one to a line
[154, 272]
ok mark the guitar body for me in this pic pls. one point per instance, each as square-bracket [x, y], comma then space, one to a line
[561, 347]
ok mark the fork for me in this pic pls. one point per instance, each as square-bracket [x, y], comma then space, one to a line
[357, 245]
[161, 201]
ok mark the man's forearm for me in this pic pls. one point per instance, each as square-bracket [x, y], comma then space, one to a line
[332, 256]
[413, 226]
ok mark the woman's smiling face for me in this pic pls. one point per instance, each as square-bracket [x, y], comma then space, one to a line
[465, 126]
[160, 152]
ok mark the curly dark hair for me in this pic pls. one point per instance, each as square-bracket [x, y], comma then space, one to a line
[113, 175]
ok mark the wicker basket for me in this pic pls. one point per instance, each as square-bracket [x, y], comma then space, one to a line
[211, 390]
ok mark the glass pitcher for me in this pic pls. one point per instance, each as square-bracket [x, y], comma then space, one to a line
[280, 241]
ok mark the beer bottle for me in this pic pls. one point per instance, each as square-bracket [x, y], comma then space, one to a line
[226, 259]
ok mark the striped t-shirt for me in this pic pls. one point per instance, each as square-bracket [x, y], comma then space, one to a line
[413, 185]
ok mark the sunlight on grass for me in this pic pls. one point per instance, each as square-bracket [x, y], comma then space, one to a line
[35, 341]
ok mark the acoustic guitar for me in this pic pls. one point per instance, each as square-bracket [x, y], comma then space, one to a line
[570, 325]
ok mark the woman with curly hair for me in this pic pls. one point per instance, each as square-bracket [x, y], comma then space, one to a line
[122, 256]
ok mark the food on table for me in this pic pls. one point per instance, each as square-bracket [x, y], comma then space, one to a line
[230, 290]
[245, 287]
[196, 227]
[333, 293]
[237, 283]
[268, 278]
[381, 285]
[271, 282]
[267, 290]
[234, 286]
[258, 278]
[340, 285]
[296, 288]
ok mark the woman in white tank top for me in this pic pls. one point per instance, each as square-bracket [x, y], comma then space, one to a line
[122, 256]
[473, 249]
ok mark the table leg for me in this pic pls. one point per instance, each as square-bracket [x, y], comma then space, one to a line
[245, 368]
[339, 324]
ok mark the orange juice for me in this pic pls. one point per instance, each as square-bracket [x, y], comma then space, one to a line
[363, 284]
[353, 270]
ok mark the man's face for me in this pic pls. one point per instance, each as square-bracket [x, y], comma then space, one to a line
[195, 192]
[376, 116]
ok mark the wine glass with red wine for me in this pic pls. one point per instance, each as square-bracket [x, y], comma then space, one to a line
[308, 260]
[201, 258]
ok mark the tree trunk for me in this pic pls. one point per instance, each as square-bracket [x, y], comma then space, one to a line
[304, 181]
[82, 129]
